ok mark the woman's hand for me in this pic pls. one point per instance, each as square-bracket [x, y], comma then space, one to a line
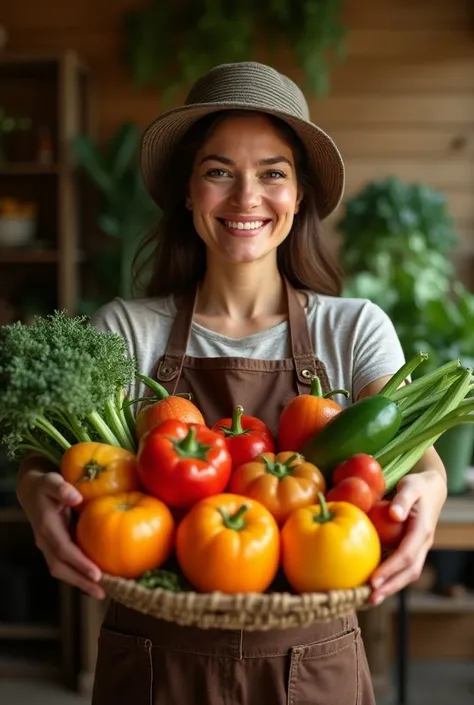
[47, 500]
[418, 500]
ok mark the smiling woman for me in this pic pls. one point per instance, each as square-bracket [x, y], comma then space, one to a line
[243, 310]
[253, 166]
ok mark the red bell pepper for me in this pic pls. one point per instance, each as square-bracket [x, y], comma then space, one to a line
[246, 437]
[181, 463]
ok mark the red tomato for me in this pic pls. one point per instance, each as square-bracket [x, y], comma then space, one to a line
[390, 530]
[364, 467]
[182, 463]
[246, 437]
[352, 490]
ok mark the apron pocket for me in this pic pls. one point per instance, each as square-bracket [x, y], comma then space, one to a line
[123, 671]
[326, 672]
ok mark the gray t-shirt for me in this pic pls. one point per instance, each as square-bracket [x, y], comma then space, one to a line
[353, 337]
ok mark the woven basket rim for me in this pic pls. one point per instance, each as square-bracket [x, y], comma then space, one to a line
[223, 601]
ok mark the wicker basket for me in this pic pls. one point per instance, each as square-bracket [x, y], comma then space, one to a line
[253, 611]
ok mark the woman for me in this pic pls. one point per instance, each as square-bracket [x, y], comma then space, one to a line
[243, 307]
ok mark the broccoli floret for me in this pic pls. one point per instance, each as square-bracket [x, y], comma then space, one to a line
[63, 381]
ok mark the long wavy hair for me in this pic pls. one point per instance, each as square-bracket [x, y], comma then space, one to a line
[176, 255]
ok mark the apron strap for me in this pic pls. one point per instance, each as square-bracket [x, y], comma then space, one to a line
[306, 366]
[171, 364]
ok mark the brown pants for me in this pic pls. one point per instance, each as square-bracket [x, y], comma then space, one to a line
[324, 664]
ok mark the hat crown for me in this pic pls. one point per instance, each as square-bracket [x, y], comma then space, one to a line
[251, 84]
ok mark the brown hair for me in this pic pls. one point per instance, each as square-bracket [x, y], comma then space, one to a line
[178, 256]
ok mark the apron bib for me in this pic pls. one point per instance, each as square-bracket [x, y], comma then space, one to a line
[145, 661]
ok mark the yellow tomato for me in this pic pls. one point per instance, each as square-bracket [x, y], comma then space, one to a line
[330, 546]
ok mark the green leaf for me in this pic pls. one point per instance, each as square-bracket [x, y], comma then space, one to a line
[89, 157]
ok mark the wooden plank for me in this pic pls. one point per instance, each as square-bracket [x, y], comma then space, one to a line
[454, 109]
[370, 14]
[360, 75]
[439, 14]
[439, 174]
[409, 43]
[406, 142]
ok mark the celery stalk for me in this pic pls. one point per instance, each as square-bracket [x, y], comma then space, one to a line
[423, 382]
[451, 397]
[398, 460]
[401, 465]
[401, 375]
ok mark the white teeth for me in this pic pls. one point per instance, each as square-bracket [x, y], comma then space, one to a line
[243, 226]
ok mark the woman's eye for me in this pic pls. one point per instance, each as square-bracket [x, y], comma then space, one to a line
[274, 174]
[217, 172]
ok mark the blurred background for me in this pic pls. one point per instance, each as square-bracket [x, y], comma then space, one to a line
[392, 81]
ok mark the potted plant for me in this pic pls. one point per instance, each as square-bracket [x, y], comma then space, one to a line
[397, 239]
[126, 211]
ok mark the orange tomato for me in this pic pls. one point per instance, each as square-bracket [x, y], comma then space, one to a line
[163, 407]
[305, 415]
[281, 482]
[330, 546]
[97, 469]
[229, 543]
[126, 534]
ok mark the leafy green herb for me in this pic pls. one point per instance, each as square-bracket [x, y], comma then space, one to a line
[62, 381]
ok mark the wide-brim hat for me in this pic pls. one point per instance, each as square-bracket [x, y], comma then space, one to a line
[243, 86]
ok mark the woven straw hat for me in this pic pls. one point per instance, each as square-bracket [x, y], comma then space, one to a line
[243, 86]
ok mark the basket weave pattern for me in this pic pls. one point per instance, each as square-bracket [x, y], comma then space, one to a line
[253, 611]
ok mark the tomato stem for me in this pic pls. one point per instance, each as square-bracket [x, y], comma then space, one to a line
[280, 469]
[189, 447]
[235, 429]
[152, 384]
[234, 521]
[325, 515]
[317, 390]
[92, 470]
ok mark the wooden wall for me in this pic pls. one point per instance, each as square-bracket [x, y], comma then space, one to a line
[402, 103]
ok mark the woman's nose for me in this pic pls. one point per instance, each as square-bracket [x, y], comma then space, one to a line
[246, 194]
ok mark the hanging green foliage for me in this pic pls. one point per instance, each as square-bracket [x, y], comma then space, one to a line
[169, 45]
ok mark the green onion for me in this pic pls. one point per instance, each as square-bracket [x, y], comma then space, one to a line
[423, 382]
[401, 375]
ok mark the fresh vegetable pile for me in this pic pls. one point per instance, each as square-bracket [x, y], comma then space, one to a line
[172, 502]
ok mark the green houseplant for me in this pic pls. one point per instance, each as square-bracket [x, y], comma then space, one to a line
[126, 211]
[169, 45]
[397, 239]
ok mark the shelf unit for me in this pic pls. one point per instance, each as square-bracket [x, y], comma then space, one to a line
[54, 92]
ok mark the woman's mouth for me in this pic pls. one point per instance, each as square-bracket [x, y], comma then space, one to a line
[244, 228]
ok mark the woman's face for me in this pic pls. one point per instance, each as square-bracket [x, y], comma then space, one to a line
[243, 190]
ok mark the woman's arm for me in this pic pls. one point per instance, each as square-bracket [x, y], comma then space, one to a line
[418, 500]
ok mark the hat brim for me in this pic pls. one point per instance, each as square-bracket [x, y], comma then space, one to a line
[161, 137]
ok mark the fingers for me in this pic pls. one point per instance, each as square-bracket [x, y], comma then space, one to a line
[409, 491]
[55, 487]
[404, 566]
[67, 573]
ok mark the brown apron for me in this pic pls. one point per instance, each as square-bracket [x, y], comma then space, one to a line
[145, 661]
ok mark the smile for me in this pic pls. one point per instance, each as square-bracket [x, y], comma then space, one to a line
[241, 227]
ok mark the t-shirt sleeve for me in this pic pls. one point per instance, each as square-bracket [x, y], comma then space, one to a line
[377, 349]
[112, 318]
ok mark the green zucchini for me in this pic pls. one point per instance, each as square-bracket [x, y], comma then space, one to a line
[364, 427]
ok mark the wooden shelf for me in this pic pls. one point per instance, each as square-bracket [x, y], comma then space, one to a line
[27, 169]
[18, 256]
[429, 603]
[29, 631]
